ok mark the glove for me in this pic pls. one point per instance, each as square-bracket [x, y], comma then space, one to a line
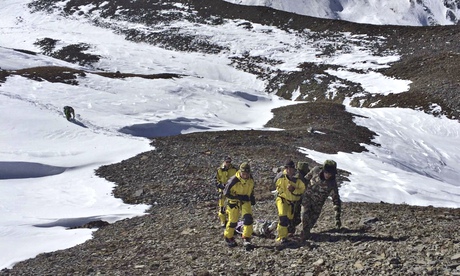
[244, 198]
[220, 186]
[337, 208]
[338, 224]
[291, 188]
[253, 201]
[275, 194]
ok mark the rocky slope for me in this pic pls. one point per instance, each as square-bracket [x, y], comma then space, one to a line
[378, 239]
[181, 236]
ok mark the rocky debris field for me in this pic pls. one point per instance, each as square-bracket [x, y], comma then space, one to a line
[185, 239]
[181, 235]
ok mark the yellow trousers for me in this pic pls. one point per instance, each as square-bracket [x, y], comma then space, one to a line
[235, 210]
[285, 214]
[221, 213]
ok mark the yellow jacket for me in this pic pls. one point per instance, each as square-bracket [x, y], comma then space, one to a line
[239, 189]
[223, 174]
[282, 184]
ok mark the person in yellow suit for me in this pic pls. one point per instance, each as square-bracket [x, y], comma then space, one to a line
[224, 172]
[290, 189]
[239, 191]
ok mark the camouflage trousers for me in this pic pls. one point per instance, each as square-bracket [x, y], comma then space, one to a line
[296, 209]
[310, 215]
[221, 212]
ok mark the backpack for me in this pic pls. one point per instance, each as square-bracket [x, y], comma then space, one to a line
[262, 228]
[303, 167]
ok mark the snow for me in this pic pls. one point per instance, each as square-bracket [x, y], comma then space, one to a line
[415, 164]
[389, 12]
[47, 179]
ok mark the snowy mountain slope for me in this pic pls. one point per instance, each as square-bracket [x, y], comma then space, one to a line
[243, 62]
[390, 12]
[321, 44]
[233, 62]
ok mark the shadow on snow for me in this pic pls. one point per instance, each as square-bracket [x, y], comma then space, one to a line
[162, 128]
[69, 222]
[18, 170]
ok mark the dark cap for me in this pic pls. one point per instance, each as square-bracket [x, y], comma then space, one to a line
[289, 164]
[244, 167]
[228, 159]
[330, 166]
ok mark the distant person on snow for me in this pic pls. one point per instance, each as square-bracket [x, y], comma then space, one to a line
[224, 172]
[322, 184]
[69, 112]
[239, 191]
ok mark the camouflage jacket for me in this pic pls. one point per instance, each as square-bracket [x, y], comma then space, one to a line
[320, 188]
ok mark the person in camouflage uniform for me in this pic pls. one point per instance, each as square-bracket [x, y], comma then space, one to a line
[322, 184]
[302, 170]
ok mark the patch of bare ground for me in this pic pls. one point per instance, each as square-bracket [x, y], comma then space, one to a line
[70, 76]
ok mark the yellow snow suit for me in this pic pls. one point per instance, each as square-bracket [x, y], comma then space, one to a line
[240, 198]
[286, 200]
[222, 176]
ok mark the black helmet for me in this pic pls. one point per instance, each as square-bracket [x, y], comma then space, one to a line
[289, 164]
